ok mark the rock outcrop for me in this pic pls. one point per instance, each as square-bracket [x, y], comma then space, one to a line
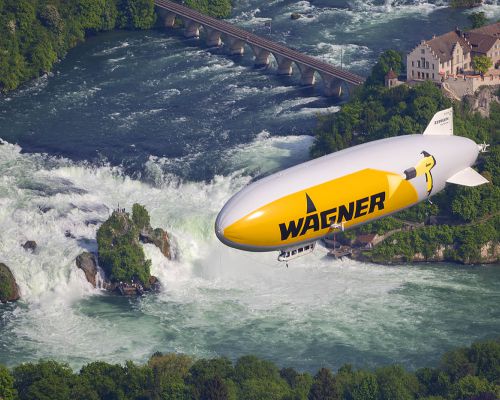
[481, 101]
[30, 245]
[121, 255]
[489, 254]
[87, 262]
[159, 238]
[9, 291]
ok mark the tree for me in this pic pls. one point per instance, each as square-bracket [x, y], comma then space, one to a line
[219, 8]
[7, 391]
[251, 367]
[396, 384]
[140, 216]
[169, 371]
[106, 379]
[46, 380]
[214, 389]
[136, 14]
[433, 382]
[323, 387]
[364, 386]
[12, 64]
[389, 59]
[469, 387]
[43, 56]
[203, 370]
[482, 64]
[486, 356]
[456, 364]
[477, 19]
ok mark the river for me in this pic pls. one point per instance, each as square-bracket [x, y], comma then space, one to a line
[154, 118]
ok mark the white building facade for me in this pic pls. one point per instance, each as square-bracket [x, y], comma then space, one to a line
[435, 59]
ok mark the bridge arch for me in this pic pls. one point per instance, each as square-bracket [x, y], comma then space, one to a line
[234, 38]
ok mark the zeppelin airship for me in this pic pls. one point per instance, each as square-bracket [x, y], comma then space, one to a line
[292, 209]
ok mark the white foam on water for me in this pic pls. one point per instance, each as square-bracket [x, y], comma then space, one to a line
[348, 54]
[491, 10]
[113, 49]
[215, 300]
[268, 153]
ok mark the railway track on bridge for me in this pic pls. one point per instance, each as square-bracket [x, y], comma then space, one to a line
[277, 49]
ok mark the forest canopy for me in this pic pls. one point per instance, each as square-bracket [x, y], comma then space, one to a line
[34, 34]
[463, 373]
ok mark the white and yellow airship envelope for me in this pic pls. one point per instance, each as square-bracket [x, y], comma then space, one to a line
[304, 203]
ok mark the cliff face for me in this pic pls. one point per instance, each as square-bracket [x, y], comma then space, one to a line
[159, 238]
[489, 254]
[482, 100]
[88, 264]
[9, 291]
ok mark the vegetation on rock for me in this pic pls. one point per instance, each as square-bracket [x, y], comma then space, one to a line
[463, 373]
[34, 34]
[120, 254]
[376, 112]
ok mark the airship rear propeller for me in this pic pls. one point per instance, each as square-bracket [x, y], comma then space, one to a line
[483, 147]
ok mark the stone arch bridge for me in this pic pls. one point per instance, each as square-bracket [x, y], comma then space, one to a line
[236, 38]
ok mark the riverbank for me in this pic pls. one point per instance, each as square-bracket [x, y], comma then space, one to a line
[35, 35]
[464, 373]
[462, 222]
[180, 129]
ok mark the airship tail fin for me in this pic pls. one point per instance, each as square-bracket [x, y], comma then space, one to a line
[467, 177]
[441, 123]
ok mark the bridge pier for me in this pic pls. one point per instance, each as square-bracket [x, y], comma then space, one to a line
[213, 38]
[306, 75]
[236, 46]
[191, 28]
[167, 18]
[284, 65]
[261, 57]
[332, 86]
[335, 80]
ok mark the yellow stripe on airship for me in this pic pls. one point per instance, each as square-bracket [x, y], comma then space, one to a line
[307, 215]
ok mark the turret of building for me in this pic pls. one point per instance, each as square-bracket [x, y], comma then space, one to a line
[391, 79]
